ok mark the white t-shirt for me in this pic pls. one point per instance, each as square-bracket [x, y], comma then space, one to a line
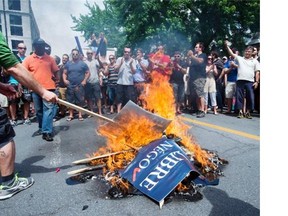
[247, 68]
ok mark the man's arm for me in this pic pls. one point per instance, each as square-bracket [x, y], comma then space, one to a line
[8, 90]
[87, 75]
[20, 73]
[118, 65]
[230, 52]
[15, 68]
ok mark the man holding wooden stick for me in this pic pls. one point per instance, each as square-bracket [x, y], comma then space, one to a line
[10, 182]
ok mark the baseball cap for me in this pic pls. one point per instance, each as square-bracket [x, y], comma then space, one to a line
[224, 57]
[38, 41]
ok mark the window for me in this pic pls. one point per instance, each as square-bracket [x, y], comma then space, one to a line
[15, 20]
[16, 25]
[14, 5]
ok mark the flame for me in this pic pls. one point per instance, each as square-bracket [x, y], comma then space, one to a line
[157, 98]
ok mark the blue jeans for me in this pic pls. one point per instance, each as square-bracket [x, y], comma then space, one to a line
[112, 94]
[45, 112]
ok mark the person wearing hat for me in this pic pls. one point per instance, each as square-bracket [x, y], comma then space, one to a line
[44, 69]
[224, 59]
[11, 184]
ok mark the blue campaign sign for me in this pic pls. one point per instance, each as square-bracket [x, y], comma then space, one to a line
[158, 168]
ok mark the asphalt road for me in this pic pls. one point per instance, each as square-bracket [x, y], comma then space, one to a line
[54, 193]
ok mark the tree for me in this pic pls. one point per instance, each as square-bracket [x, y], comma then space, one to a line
[97, 21]
[177, 23]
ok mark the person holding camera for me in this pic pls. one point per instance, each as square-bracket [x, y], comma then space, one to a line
[247, 79]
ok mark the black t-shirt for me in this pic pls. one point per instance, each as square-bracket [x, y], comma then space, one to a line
[177, 75]
[198, 70]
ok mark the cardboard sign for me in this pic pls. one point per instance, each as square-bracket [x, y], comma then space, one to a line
[158, 168]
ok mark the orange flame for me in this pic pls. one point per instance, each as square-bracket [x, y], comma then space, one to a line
[158, 98]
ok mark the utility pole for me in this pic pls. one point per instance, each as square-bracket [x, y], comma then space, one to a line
[5, 21]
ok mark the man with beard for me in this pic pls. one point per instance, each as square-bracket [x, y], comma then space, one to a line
[75, 76]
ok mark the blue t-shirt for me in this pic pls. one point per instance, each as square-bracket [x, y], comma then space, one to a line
[76, 72]
[232, 76]
[12, 80]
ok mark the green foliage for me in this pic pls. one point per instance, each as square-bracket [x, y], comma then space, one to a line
[178, 24]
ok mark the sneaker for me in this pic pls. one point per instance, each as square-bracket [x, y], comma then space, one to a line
[201, 114]
[248, 115]
[27, 122]
[13, 123]
[47, 136]
[240, 115]
[18, 185]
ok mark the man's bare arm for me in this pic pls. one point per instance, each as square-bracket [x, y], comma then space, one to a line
[20, 73]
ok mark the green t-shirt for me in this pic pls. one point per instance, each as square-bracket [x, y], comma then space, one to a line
[7, 58]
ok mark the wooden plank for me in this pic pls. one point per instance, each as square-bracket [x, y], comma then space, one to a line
[88, 160]
[81, 109]
[86, 169]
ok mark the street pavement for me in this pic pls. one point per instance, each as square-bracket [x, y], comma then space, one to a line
[55, 193]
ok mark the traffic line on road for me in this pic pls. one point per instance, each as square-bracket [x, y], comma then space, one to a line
[228, 130]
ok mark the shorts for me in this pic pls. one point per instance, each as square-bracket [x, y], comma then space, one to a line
[230, 89]
[198, 86]
[3, 101]
[7, 132]
[92, 91]
[178, 90]
[62, 93]
[26, 96]
[14, 100]
[76, 95]
[125, 93]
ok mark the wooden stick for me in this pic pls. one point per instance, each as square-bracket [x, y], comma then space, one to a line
[87, 160]
[81, 109]
[86, 169]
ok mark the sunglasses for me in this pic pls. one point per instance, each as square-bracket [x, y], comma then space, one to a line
[177, 56]
[111, 58]
[22, 48]
[89, 53]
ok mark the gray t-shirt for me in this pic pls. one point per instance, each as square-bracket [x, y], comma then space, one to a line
[125, 76]
[93, 66]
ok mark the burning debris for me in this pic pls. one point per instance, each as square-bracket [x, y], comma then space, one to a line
[163, 170]
[149, 151]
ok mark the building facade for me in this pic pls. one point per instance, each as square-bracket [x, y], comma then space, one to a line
[17, 23]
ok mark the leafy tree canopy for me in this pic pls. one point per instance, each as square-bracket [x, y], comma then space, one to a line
[178, 24]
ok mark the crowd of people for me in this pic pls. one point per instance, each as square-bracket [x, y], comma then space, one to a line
[200, 82]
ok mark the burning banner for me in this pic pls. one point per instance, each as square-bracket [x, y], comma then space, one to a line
[149, 150]
[158, 168]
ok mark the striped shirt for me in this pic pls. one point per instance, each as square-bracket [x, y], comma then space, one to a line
[112, 76]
